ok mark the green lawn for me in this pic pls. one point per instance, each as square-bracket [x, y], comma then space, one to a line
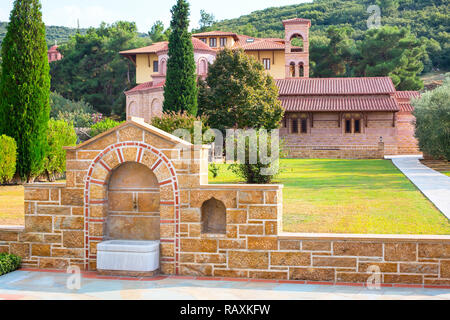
[447, 173]
[351, 196]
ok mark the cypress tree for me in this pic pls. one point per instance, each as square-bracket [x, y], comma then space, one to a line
[25, 87]
[180, 94]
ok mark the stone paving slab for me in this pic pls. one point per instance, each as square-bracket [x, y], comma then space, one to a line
[434, 185]
[28, 285]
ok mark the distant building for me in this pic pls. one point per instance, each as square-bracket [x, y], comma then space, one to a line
[324, 118]
[54, 54]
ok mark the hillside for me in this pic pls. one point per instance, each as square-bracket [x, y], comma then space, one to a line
[426, 18]
[54, 33]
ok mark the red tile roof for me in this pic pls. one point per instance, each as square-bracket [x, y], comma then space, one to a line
[406, 107]
[216, 33]
[335, 86]
[407, 94]
[164, 46]
[296, 20]
[262, 44]
[146, 86]
[342, 104]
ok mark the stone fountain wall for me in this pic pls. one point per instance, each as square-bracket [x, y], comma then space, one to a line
[205, 230]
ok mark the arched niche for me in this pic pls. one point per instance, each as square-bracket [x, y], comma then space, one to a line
[301, 70]
[133, 208]
[214, 217]
[292, 69]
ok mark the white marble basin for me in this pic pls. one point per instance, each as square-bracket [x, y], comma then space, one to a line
[124, 255]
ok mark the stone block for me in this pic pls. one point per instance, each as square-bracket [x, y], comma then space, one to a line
[191, 215]
[53, 263]
[434, 250]
[251, 230]
[248, 260]
[290, 258]
[262, 243]
[334, 262]
[263, 212]
[131, 133]
[73, 239]
[269, 275]
[400, 252]
[38, 224]
[196, 270]
[316, 245]
[384, 266]
[445, 269]
[198, 245]
[232, 244]
[39, 194]
[420, 268]
[312, 274]
[403, 279]
[20, 249]
[72, 197]
[230, 273]
[251, 197]
[69, 223]
[40, 250]
[289, 245]
[364, 249]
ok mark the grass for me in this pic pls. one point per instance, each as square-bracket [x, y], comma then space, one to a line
[11, 205]
[447, 173]
[351, 196]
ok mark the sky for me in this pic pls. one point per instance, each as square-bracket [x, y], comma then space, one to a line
[144, 12]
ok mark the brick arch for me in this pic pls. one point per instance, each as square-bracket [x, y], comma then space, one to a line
[95, 193]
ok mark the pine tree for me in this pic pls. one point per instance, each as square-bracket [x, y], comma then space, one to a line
[180, 94]
[25, 87]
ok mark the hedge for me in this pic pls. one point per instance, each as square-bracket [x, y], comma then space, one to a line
[8, 158]
[9, 263]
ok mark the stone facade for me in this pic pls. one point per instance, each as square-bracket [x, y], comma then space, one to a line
[139, 183]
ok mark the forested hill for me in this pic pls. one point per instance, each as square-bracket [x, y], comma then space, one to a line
[54, 33]
[426, 18]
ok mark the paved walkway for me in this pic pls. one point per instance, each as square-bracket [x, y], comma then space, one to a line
[28, 285]
[434, 185]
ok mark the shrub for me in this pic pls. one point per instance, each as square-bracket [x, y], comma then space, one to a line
[79, 118]
[172, 121]
[59, 104]
[60, 134]
[103, 126]
[432, 112]
[9, 263]
[259, 172]
[8, 158]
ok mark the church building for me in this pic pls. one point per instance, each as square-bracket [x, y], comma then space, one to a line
[354, 118]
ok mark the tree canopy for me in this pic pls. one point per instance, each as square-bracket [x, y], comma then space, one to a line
[180, 93]
[25, 87]
[238, 93]
[93, 71]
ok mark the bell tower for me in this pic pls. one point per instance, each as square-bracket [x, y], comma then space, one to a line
[297, 47]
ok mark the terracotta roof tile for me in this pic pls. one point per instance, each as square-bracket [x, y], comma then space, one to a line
[407, 94]
[342, 104]
[406, 107]
[164, 46]
[146, 86]
[216, 33]
[262, 44]
[335, 86]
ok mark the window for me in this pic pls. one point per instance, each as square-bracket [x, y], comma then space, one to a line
[213, 42]
[294, 126]
[266, 63]
[223, 42]
[292, 69]
[284, 123]
[203, 40]
[301, 70]
[357, 126]
[304, 125]
[348, 126]
[155, 66]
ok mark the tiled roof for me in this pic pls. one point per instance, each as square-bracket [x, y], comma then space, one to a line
[146, 86]
[53, 49]
[296, 20]
[164, 46]
[335, 86]
[406, 107]
[216, 33]
[263, 44]
[342, 104]
[407, 94]
[154, 48]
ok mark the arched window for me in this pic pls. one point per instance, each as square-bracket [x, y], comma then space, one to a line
[297, 44]
[214, 217]
[292, 69]
[301, 70]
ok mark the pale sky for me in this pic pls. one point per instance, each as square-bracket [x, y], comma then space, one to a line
[143, 12]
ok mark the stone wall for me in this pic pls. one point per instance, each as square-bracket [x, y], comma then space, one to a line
[65, 222]
[325, 138]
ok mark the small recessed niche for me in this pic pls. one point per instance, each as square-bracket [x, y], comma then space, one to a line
[214, 217]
